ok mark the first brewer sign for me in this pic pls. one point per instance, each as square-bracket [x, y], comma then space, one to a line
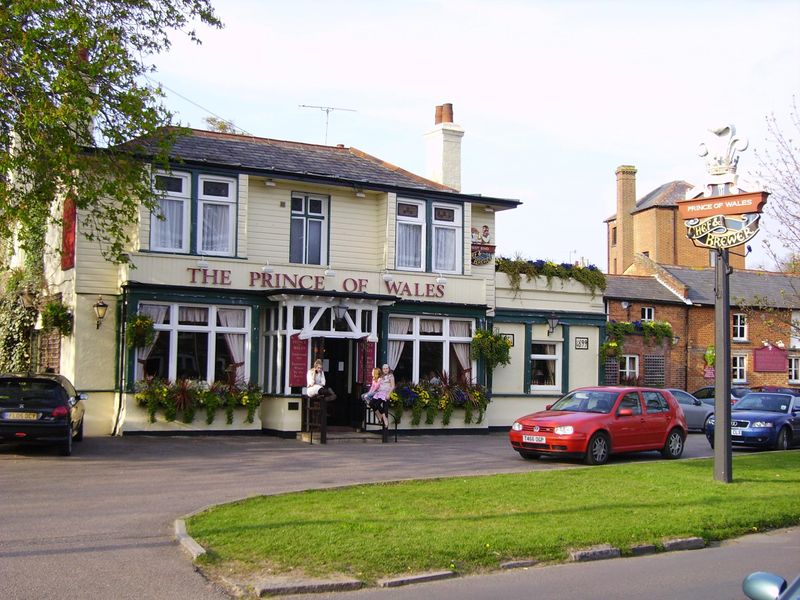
[722, 221]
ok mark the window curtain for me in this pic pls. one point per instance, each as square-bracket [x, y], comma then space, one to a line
[193, 315]
[461, 349]
[216, 227]
[430, 326]
[168, 233]
[409, 245]
[444, 249]
[159, 314]
[397, 326]
[235, 341]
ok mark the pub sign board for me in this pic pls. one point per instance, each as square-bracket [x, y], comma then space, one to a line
[722, 221]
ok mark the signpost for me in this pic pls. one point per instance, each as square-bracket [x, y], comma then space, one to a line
[723, 216]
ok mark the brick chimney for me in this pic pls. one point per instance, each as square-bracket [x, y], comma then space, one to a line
[626, 202]
[443, 145]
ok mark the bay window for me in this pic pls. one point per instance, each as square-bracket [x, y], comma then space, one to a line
[169, 227]
[422, 347]
[411, 235]
[206, 343]
[429, 238]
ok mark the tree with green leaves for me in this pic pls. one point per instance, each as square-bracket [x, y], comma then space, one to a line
[73, 91]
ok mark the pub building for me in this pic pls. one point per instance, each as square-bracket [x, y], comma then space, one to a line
[269, 254]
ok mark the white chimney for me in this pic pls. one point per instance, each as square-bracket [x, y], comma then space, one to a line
[443, 145]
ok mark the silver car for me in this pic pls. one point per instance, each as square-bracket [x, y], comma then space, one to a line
[696, 411]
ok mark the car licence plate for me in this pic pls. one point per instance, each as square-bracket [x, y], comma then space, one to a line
[533, 439]
[736, 431]
[21, 416]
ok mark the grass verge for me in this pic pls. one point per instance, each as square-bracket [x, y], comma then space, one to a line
[474, 523]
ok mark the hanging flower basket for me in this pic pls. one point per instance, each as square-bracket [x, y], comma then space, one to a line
[140, 331]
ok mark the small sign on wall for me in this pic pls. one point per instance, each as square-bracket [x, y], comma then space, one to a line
[581, 343]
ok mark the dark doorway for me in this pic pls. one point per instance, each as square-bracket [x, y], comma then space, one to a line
[338, 357]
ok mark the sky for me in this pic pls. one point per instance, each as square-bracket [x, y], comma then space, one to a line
[553, 95]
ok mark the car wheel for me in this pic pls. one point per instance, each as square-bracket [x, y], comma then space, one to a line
[673, 447]
[79, 433]
[528, 455]
[711, 442]
[598, 449]
[782, 442]
[66, 446]
[705, 423]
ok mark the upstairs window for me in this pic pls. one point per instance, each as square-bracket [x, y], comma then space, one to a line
[740, 327]
[411, 235]
[308, 243]
[169, 226]
[216, 215]
[429, 238]
[648, 313]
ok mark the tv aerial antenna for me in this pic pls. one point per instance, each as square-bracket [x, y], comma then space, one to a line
[327, 110]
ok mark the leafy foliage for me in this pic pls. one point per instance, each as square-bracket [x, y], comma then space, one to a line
[73, 88]
[141, 331]
[442, 396]
[653, 331]
[56, 316]
[515, 268]
[491, 347]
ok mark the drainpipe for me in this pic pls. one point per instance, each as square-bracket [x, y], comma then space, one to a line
[123, 311]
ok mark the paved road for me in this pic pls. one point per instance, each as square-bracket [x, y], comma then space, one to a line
[99, 524]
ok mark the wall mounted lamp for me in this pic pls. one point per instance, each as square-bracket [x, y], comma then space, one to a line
[202, 263]
[100, 310]
[360, 193]
[387, 277]
[488, 209]
[552, 323]
[441, 279]
[625, 304]
[269, 183]
[267, 268]
[329, 272]
[339, 311]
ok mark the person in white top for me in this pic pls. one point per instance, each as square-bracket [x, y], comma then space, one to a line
[315, 383]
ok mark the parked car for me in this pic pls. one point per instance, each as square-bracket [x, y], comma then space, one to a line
[776, 388]
[706, 394]
[764, 420]
[768, 586]
[595, 422]
[41, 409]
[695, 410]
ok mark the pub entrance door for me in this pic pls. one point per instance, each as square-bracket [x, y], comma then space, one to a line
[339, 358]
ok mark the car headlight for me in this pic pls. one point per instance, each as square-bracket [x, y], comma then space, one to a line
[761, 424]
[517, 426]
[564, 430]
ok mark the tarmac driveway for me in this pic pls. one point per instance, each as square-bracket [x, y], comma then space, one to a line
[100, 523]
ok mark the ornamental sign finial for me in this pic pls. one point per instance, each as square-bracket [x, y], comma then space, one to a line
[721, 150]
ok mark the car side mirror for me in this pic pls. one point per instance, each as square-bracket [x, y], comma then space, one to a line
[697, 402]
[763, 586]
[548, 407]
[83, 396]
[624, 412]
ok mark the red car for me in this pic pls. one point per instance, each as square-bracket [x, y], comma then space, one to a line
[595, 422]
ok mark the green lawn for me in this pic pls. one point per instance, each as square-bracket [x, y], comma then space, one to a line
[475, 523]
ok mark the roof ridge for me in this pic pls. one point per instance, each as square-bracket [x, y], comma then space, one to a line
[258, 139]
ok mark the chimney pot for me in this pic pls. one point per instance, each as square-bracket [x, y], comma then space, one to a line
[438, 117]
[447, 113]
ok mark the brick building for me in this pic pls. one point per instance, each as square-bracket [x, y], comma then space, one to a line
[765, 350]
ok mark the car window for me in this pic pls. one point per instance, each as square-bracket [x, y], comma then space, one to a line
[682, 397]
[631, 401]
[655, 402]
[704, 393]
[31, 392]
[764, 402]
[586, 401]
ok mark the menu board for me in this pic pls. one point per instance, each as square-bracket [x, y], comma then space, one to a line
[366, 361]
[298, 361]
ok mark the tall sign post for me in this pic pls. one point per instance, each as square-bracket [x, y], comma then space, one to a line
[723, 215]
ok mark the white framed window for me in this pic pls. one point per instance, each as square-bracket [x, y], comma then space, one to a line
[794, 369]
[739, 327]
[169, 224]
[422, 347]
[448, 238]
[794, 329]
[198, 342]
[739, 368]
[309, 234]
[410, 243]
[545, 359]
[216, 215]
[629, 368]
[648, 313]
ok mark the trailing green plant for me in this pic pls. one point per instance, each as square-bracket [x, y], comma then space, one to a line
[56, 316]
[16, 324]
[652, 331]
[441, 397]
[491, 347]
[185, 397]
[590, 276]
[140, 331]
[710, 355]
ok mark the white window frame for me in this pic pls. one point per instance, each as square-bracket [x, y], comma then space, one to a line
[307, 216]
[229, 201]
[212, 329]
[628, 367]
[557, 358]
[794, 329]
[185, 198]
[794, 369]
[648, 313]
[446, 338]
[456, 226]
[419, 221]
[738, 368]
[739, 328]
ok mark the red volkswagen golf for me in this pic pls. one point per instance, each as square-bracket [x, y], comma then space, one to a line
[595, 422]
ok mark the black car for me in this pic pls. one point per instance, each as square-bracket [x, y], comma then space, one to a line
[40, 409]
[706, 394]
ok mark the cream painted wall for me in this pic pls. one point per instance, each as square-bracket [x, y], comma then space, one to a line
[583, 364]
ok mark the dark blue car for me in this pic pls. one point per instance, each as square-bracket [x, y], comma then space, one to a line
[767, 420]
